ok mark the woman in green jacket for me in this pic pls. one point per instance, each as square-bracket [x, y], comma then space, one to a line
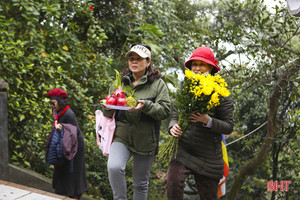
[137, 130]
[199, 147]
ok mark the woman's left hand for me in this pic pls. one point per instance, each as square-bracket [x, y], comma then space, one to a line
[198, 117]
[139, 106]
[58, 127]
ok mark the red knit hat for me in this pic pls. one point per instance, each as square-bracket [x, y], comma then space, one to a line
[204, 54]
[57, 92]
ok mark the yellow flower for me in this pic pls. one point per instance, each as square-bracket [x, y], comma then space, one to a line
[208, 87]
[197, 91]
[224, 92]
[207, 90]
[200, 78]
[215, 98]
[189, 74]
[217, 88]
[219, 80]
[210, 105]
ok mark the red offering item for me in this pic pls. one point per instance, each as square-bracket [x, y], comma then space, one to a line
[120, 97]
[111, 101]
[119, 93]
[107, 97]
[121, 102]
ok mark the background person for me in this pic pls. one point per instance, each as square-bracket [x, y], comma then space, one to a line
[137, 130]
[72, 184]
[199, 149]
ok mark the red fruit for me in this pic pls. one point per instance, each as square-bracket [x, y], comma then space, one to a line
[121, 102]
[119, 93]
[111, 101]
[107, 97]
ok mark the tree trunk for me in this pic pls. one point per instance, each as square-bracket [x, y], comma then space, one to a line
[275, 155]
[250, 166]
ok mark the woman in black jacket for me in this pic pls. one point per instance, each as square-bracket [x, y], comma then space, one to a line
[199, 148]
[71, 183]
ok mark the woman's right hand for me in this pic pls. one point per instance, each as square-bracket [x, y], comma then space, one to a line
[139, 106]
[176, 130]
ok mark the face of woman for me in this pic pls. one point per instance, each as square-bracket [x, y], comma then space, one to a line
[200, 67]
[137, 64]
[54, 104]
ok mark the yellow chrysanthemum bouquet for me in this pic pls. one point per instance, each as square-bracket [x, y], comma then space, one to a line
[199, 93]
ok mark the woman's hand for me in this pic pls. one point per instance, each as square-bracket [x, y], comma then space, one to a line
[58, 127]
[176, 130]
[198, 117]
[139, 106]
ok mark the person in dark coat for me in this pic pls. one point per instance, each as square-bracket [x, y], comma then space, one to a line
[71, 183]
[199, 147]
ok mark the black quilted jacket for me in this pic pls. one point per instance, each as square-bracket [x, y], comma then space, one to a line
[199, 148]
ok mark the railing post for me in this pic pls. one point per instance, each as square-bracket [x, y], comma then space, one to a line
[4, 168]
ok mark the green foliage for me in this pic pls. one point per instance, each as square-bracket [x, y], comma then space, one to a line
[42, 48]
[96, 170]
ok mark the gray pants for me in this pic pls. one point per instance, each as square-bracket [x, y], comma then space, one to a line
[119, 155]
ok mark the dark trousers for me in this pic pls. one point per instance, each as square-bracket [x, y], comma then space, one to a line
[175, 183]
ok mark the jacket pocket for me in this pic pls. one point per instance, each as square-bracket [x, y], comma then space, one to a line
[144, 138]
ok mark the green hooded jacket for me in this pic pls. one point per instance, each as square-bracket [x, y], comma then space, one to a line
[139, 130]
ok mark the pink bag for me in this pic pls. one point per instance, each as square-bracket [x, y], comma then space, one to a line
[105, 128]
